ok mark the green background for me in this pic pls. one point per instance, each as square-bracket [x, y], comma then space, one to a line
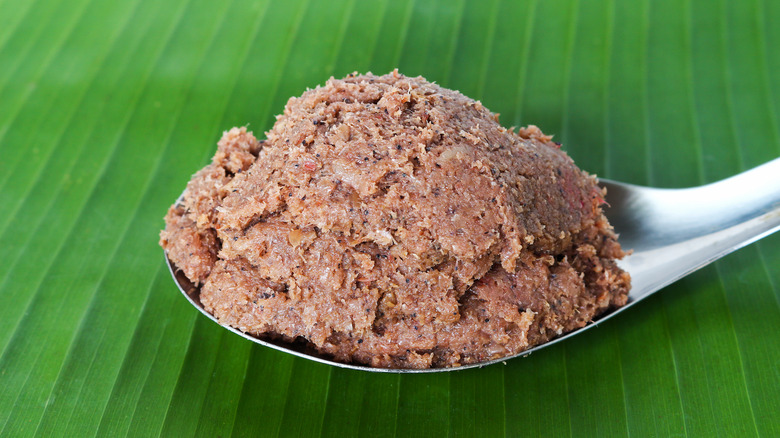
[107, 108]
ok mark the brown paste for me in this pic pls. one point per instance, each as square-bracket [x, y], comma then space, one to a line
[394, 223]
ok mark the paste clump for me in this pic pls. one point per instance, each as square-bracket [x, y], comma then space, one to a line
[391, 222]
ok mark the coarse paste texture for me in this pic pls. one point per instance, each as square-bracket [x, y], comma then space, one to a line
[392, 222]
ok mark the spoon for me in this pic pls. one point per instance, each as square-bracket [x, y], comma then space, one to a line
[671, 233]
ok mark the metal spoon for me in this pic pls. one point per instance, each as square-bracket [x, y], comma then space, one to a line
[672, 232]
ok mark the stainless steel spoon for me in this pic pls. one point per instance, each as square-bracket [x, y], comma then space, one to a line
[672, 232]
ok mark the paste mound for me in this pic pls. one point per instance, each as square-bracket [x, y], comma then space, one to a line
[392, 222]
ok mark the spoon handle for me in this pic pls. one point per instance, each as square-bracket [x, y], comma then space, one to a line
[738, 200]
[674, 232]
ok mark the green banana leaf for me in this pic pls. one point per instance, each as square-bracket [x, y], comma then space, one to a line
[108, 107]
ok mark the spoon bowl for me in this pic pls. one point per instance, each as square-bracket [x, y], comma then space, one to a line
[670, 233]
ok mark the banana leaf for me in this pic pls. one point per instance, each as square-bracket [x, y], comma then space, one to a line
[108, 108]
